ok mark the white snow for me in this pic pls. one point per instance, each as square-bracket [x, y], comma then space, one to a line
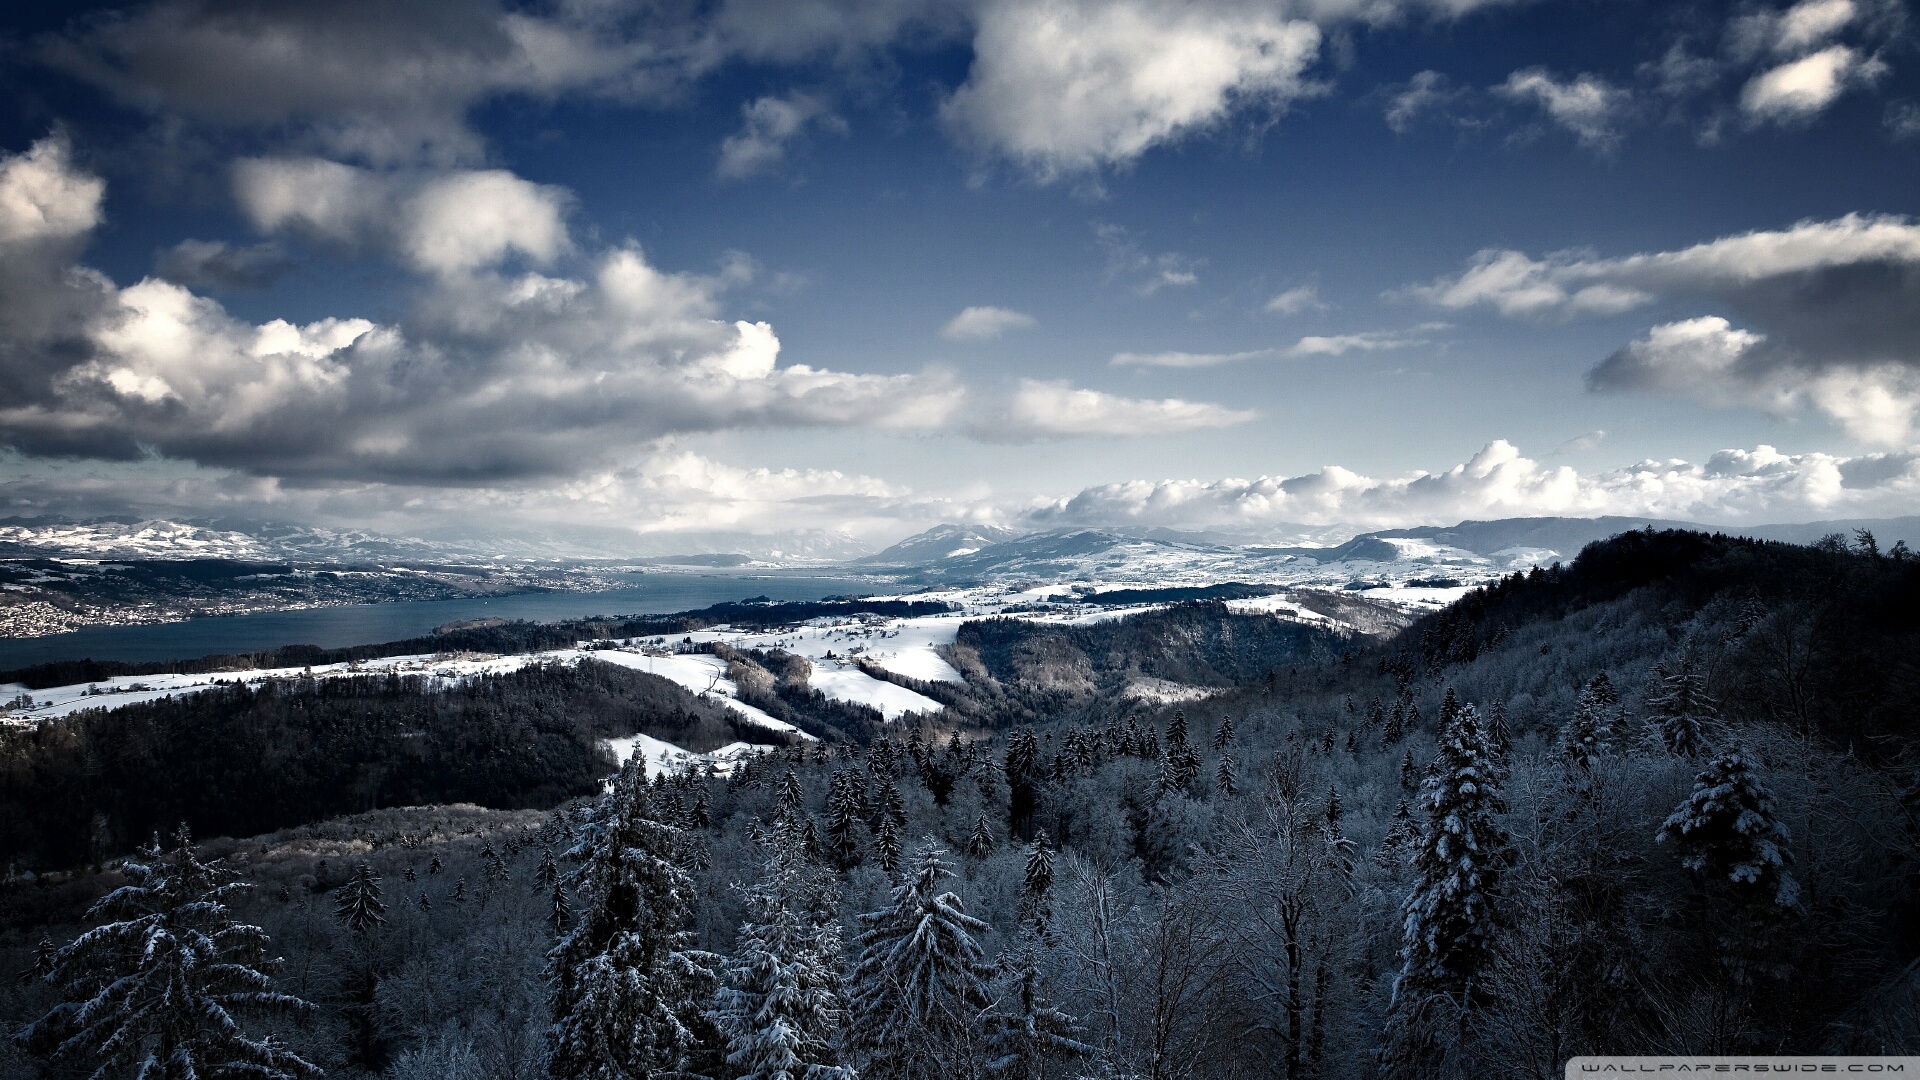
[664, 757]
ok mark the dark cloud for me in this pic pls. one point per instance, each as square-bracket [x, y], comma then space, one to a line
[214, 264]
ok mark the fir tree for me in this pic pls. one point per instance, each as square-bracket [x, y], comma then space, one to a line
[1223, 777]
[627, 985]
[358, 902]
[1223, 737]
[433, 866]
[791, 795]
[920, 987]
[886, 847]
[1450, 918]
[1583, 741]
[701, 816]
[1038, 883]
[1409, 774]
[779, 1005]
[980, 844]
[547, 872]
[559, 910]
[1035, 1030]
[1392, 731]
[153, 987]
[1498, 732]
[843, 821]
[1727, 831]
[893, 807]
[1681, 710]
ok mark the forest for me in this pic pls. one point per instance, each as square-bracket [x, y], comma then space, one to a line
[1662, 799]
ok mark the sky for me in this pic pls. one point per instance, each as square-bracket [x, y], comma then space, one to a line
[717, 274]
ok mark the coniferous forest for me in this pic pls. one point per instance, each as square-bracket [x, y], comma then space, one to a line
[1662, 799]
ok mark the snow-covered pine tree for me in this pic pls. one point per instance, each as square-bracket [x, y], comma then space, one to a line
[1392, 731]
[980, 844]
[1223, 777]
[1680, 710]
[892, 805]
[1727, 831]
[1038, 883]
[844, 822]
[1409, 773]
[792, 797]
[886, 847]
[919, 997]
[1034, 1030]
[1223, 737]
[627, 986]
[1498, 730]
[1451, 918]
[1583, 741]
[358, 905]
[358, 902]
[779, 1005]
[152, 989]
[559, 908]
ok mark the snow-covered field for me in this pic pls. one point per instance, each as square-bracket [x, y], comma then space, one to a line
[664, 757]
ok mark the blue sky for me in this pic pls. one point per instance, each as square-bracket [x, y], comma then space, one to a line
[699, 271]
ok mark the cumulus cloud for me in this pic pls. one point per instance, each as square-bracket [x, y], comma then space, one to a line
[1586, 105]
[983, 323]
[1042, 409]
[44, 198]
[1290, 302]
[1798, 29]
[1831, 312]
[771, 123]
[1067, 86]
[217, 264]
[1802, 89]
[1731, 486]
[442, 222]
[490, 375]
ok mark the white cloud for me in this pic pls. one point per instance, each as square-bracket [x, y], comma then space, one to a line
[44, 198]
[1044, 408]
[1586, 105]
[1294, 301]
[1424, 93]
[1068, 86]
[983, 323]
[1802, 89]
[1732, 486]
[1186, 359]
[1834, 310]
[446, 222]
[1792, 32]
[771, 123]
[1365, 341]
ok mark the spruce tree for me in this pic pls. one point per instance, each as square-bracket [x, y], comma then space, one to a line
[886, 847]
[1727, 831]
[358, 902]
[779, 1005]
[919, 995]
[152, 990]
[1450, 917]
[1038, 883]
[1034, 1030]
[1681, 711]
[980, 844]
[843, 821]
[627, 984]
[1223, 777]
[1223, 737]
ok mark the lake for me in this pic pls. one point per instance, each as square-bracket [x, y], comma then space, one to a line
[365, 624]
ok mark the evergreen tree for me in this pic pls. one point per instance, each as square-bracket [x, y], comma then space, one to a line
[791, 795]
[1450, 918]
[1038, 882]
[1681, 711]
[779, 1005]
[701, 816]
[358, 905]
[1727, 831]
[1498, 730]
[1409, 774]
[627, 985]
[1223, 777]
[152, 989]
[893, 807]
[559, 910]
[1392, 731]
[980, 844]
[886, 847]
[919, 993]
[843, 820]
[1583, 741]
[1223, 737]
[358, 902]
[1035, 1030]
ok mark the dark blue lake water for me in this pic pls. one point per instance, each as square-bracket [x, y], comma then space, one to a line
[370, 623]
